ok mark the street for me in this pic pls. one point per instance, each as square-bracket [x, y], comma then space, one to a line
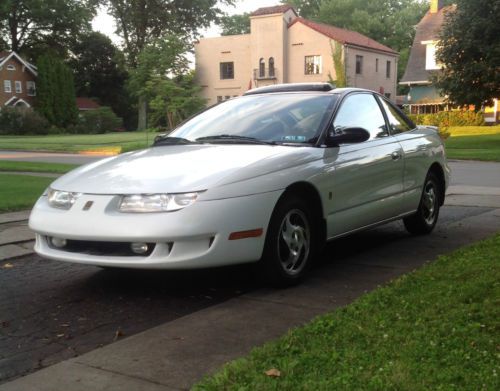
[51, 311]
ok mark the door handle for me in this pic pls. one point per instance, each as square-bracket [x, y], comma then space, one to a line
[395, 155]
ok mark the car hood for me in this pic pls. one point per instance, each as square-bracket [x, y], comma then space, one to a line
[180, 168]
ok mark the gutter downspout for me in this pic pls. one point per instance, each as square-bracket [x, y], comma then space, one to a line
[346, 48]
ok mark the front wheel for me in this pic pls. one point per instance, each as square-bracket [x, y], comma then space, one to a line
[424, 221]
[290, 243]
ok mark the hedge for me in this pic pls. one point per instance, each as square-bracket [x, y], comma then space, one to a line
[445, 119]
[21, 121]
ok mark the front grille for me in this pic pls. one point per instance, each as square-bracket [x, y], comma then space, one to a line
[116, 249]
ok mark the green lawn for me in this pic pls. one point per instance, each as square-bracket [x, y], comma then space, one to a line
[435, 329]
[6, 165]
[125, 141]
[20, 191]
[482, 147]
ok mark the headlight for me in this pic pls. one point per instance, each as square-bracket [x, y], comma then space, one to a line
[147, 203]
[62, 199]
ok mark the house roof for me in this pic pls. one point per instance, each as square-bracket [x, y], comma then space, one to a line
[277, 9]
[6, 56]
[427, 30]
[86, 104]
[344, 36]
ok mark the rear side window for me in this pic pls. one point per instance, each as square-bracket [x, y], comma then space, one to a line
[398, 123]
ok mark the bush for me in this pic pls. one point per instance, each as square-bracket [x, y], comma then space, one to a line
[101, 120]
[21, 121]
[445, 119]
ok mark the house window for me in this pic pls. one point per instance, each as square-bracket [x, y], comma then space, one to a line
[388, 95]
[430, 56]
[312, 65]
[262, 68]
[227, 70]
[7, 86]
[11, 67]
[359, 65]
[271, 66]
[31, 88]
[376, 65]
[19, 87]
[227, 97]
[388, 70]
[219, 98]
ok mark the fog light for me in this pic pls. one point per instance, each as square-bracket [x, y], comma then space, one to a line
[58, 242]
[139, 248]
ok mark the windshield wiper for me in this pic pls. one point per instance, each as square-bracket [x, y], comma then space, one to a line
[167, 140]
[229, 138]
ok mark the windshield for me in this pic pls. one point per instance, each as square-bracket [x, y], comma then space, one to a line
[275, 118]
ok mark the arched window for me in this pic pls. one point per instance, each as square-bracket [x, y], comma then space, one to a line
[262, 68]
[271, 66]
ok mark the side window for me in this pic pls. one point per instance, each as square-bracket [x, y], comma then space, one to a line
[361, 111]
[397, 122]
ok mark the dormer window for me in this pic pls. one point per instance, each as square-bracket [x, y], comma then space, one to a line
[11, 67]
[430, 55]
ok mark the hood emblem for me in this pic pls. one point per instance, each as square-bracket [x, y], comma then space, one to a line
[88, 205]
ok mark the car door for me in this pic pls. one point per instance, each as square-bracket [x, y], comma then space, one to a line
[366, 178]
[417, 152]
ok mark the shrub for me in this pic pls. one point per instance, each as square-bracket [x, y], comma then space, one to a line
[444, 119]
[20, 121]
[101, 120]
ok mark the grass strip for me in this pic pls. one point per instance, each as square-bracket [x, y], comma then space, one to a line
[482, 147]
[433, 329]
[457, 131]
[7, 165]
[20, 191]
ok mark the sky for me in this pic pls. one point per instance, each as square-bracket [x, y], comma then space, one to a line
[105, 24]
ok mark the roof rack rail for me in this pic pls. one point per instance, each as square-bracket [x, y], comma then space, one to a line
[292, 87]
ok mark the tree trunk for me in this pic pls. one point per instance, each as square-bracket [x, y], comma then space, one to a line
[143, 112]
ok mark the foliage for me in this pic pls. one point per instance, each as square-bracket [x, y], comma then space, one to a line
[433, 329]
[339, 65]
[32, 26]
[174, 99]
[20, 121]
[100, 73]
[101, 120]
[469, 50]
[21, 191]
[235, 24]
[445, 119]
[55, 92]
[305, 8]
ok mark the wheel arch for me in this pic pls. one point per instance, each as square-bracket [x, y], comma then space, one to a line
[437, 170]
[310, 194]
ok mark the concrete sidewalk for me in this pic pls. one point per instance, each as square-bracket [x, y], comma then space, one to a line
[175, 355]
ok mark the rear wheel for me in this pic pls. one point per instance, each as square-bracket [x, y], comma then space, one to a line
[424, 221]
[290, 243]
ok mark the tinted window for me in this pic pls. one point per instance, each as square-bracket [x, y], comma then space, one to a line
[288, 118]
[361, 111]
[397, 123]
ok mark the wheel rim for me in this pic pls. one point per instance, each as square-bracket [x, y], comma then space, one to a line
[294, 242]
[429, 203]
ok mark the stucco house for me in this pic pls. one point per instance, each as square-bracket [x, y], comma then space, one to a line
[17, 81]
[285, 48]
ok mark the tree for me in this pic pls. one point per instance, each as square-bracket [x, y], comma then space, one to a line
[141, 22]
[470, 53]
[235, 24]
[28, 25]
[55, 92]
[339, 65]
[99, 72]
[305, 8]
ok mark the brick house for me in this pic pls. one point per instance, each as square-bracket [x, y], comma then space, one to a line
[17, 81]
[285, 48]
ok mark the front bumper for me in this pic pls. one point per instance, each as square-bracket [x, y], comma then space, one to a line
[194, 237]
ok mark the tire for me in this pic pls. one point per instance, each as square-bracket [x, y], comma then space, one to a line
[426, 217]
[290, 244]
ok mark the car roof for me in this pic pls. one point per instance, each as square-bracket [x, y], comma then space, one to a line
[303, 87]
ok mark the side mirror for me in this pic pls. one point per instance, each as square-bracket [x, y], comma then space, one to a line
[346, 136]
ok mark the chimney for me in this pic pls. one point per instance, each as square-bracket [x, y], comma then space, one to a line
[436, 5]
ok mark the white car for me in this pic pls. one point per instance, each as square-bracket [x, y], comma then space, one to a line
[268, 177]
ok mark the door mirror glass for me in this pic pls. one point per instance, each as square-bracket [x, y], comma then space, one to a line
[349, 135]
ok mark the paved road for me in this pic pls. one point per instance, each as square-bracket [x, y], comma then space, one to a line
[51, 311]
[48, 157]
